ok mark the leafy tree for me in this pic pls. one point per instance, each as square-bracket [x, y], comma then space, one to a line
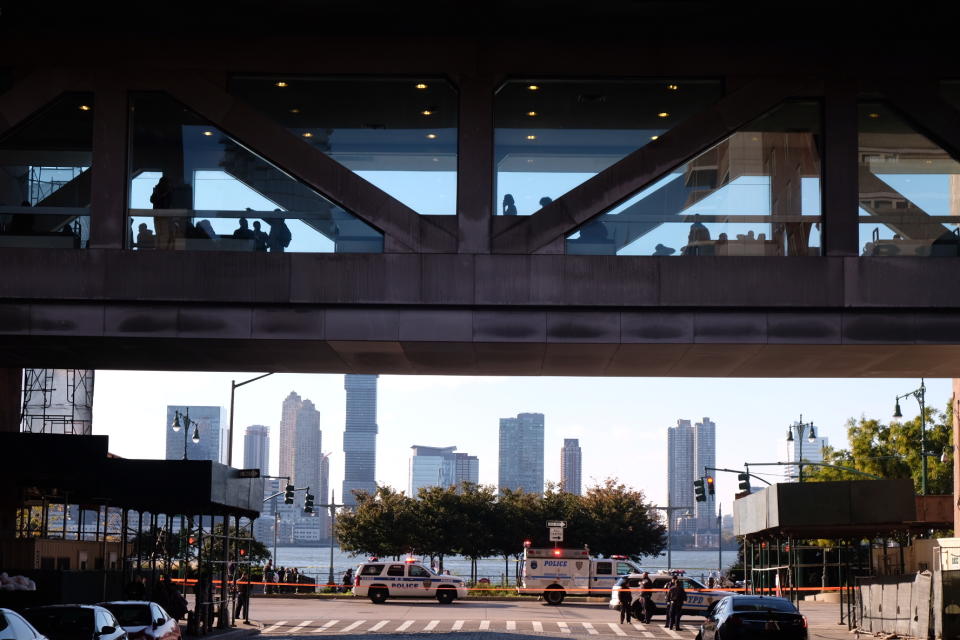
[383, 524]
[516, 517]
[619, 520]
[477, 515]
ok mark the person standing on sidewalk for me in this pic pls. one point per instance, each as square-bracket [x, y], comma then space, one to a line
[675, 599]
[242, 586]
[646, 598]
[626, 601]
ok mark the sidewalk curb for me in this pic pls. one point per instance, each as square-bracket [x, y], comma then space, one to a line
[232, 634]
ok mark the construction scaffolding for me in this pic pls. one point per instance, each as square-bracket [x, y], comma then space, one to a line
[57, 401]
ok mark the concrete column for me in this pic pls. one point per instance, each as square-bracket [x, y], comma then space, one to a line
[10, 389]
[956, 454]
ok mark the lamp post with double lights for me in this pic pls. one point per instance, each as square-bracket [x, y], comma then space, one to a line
[801, 428]
[921, 395]
[184, 418]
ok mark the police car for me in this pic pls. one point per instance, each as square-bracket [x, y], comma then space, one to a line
[699, 597]
[381, 580]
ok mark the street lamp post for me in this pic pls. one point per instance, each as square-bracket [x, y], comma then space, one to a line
[185, 418]
[801, 428]
[233, 387]
[920, 394]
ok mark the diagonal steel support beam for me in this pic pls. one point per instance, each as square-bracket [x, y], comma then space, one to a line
[634, 172]
[35, 91]
[924, 106]
[405, 229]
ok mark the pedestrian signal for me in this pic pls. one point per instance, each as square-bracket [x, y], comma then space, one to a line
[288, 494]
[710, 488]
[308, 503]
[698, 493]
[744, 479]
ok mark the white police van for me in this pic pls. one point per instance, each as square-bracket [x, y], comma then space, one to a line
[699, 597]
[380, 580]
[553, 573]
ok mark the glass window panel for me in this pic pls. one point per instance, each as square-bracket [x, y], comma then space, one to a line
[553, 135]
[909, 189]
[399, 133]
[193, 187]
[757, 193]
[45, 177]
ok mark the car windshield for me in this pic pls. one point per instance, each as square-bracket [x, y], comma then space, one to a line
[62, 621]
[131, 615]
[764, 604]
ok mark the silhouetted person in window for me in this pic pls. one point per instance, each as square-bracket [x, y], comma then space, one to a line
[206, 230]
[544, 201]
[145, 237]
[243, 232]
[509, 206]
[259, 237]
[162, 198]
[698, 235]
[661, 250]
[279, 237]
[22, 223]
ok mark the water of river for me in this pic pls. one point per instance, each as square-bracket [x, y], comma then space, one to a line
[315, 561]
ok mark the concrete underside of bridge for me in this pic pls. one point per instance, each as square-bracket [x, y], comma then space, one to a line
[481, 314]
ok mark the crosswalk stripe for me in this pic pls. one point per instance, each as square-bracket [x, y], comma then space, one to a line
[299, 626]
[379, 625]
[431, 625]
[405, 625]
[272, 627]
[637, 626]
[589, 628]
[563, 627]
[484, 625]
[325, 626]
[511, 625]
[458, 625]
[673, 634]
[647, 634]
[537, 626]
[352, 626]
[616, 629]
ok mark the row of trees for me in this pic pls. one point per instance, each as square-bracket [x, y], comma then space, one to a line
[893, 451]
[478, 522]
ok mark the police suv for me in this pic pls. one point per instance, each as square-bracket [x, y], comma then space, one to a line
[553, 573]
[699, 597]
[380, 580]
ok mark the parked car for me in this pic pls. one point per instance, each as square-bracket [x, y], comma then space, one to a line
[748, 616]
[75, 622]
[699, 597]
[380, 580]
[13, 626]
[143, 619]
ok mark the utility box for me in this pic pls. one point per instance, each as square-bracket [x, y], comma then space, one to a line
[946, 589]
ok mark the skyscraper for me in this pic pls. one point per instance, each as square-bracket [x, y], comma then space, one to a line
[680, 475]
[212, 440]
[256, 448]
[288, 433]
[440, 467]
[360, 436]
[705, 455]
[521, 453]
[468, 468]
[570, 466]
[307, 458]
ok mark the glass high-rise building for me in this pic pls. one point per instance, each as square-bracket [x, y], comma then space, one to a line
[440, 467]
[468, 468]
[681, 461]
[705, 455]
[360, 436]
[256, 448]
[288, 433]
[570, 466]
[308, 456]
[521, 453]
[212, 442]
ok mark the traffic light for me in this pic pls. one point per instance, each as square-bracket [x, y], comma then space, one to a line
[698, 491]
[710, 488]
[288, 494]
[744, 479]
[308, 503]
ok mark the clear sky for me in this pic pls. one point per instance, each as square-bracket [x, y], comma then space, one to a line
[621, 422]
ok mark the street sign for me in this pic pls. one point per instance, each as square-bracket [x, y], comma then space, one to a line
[557, 523]
[556, 534]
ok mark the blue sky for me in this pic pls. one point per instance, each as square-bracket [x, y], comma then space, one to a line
[621, 422]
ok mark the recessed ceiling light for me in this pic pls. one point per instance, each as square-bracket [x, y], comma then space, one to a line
[533, 87]
[280, 84]
[663, 114]
[307, 134]
[420, 85]
[85, 107]
[208, 133]
[426, 112]
[431, 136]
[294, 110]
[672, 87]
[532, 114]
[436, 159]
[531, 137]
[654, 137]
[874, 115]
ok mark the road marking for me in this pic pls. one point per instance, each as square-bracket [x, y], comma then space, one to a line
[352, 626]
[405, 625]
[379, 625]
[563, 627]
[272, 627]
[637, 626]
[589, 628]
[327, 625]
[616, 628]
[458, 625]
[431, 625]
[511, 625]
[299, 626]
[484, 625]
[538, 626]
[673, 634]
[647, 634]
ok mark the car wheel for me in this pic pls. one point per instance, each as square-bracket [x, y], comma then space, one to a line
[445, 596]
[378, 596]
[554, 596]
[637, 610]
